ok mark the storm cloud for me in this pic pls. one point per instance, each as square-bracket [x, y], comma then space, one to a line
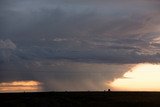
[76, 45]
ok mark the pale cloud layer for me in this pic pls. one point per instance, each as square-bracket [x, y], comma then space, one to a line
[7, 44]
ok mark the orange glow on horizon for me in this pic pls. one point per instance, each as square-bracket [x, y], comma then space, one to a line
[20, 86]
[142, 77]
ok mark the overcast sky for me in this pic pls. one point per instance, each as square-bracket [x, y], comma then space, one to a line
[76, 44]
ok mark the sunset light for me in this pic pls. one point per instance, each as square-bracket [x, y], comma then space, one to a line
[20, 86]
[142, 77]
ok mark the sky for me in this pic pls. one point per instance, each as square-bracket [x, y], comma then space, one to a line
[58, 45]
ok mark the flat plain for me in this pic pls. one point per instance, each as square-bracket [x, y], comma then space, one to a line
[81, 99]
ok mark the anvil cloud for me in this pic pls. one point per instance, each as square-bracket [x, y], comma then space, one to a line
[76, 44]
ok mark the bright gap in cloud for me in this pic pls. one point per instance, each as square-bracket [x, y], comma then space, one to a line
[20, 86]
[142, 77]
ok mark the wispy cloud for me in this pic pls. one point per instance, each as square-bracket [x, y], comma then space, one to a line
[7, 44]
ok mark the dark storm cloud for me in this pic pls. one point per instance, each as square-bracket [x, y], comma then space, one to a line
[56, 33]
[61, 41]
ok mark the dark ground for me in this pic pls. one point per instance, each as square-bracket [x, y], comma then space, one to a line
[81, 99]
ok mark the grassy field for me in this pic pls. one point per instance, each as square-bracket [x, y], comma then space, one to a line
[81, 99]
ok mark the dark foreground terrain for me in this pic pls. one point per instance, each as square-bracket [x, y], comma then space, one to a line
[81, 99]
